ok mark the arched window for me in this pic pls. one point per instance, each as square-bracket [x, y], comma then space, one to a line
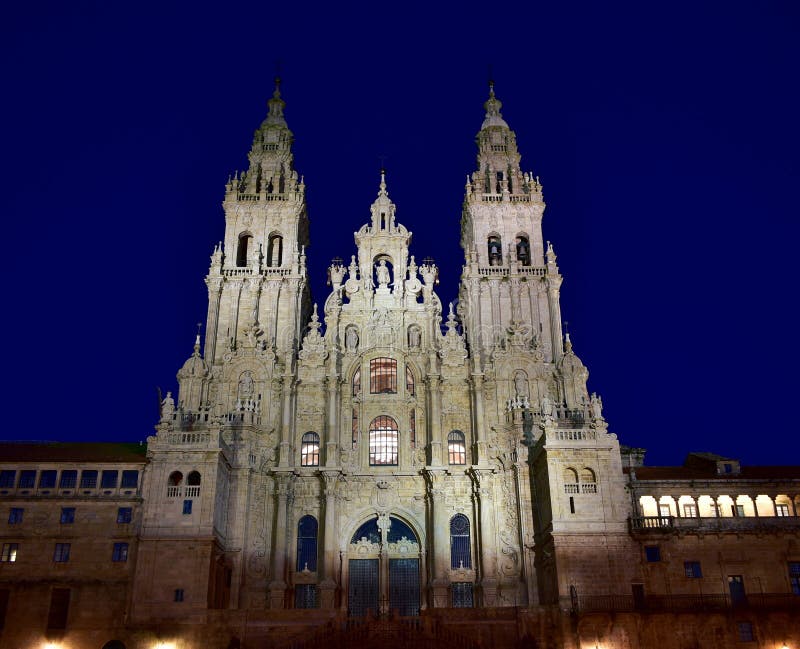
[307, 544]
[460, 554]
[523, 250]
[309, 450]
[245, 241]
[357, 382]
[383, 376]
[383, 435]
[355, 427]
[193, 479]
[275, 250]
[456, 447]
[495, 246]
[175, 478]
[571, 485]
[588, 481]
[409, 381]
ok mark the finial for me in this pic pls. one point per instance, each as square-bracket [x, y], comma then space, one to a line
[197, 339]
[567, 341]
[277, 92]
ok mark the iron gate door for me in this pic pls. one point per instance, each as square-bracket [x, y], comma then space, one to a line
[363, 587]
[404, 586]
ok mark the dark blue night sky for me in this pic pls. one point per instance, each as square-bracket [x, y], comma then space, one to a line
[666, 136]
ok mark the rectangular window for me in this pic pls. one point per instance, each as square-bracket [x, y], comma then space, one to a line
[7, 479]
[124, 514]
[383, 376]
[692, 569]
[664, 511]
[781, 510]
[130, 479]
[187, 507]
[690, 510]
[67, 515]
[738, 510]
[746, 632]
[9, 554]
[59, 609]
[69, 480]
[652, 553]
[61, 553]
[178, 595]
[355, 427]
[305, 596]
[794, 576]
[89, 479]
[462, 595]
[383, 441]
[108, 479]
[47, 479]
[15, 515]
[27, 479]
[412, 428]
[120, 552]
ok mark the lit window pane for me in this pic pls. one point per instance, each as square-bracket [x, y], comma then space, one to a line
[383, 376]
[383, 437]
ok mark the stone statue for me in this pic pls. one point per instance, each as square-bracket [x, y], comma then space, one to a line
[547, 407]
[382, 272]
[351, 339]
[520, 384]
[167, 406]
[246, 386]
[413, 337]
[596, 404]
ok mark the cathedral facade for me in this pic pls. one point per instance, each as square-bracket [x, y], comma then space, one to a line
[381, 456]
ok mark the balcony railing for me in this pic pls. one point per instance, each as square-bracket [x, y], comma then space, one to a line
[711, 524]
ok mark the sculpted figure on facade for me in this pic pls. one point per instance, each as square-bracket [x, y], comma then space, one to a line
[382, 272]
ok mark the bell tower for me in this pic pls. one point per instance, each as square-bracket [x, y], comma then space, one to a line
[257, 286]
[509, 280]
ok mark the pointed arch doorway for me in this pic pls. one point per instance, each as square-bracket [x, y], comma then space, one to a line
[384, 568]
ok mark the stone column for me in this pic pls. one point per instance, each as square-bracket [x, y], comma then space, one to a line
[383, 562]
[287, 420]
[435, 428]
[328, 584]
[440, 538]
[554, 303]
[277, 587]
[333, 421]
[480, 443]
[482, 483]
[214, 296]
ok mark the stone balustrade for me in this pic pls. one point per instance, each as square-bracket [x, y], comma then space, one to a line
[668, 524]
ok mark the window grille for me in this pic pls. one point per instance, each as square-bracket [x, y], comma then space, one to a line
[460, 552]
[383, 435]
[88, 479]
[383, 376]
[108, 479]
[27, 479]
[309, 450]
[305, 596]
[130, 479]
[409, 381]
[307, 544]
[47, 479]
[7, 479]
[69, 479]
[462, 595]
[357, 382]
[456, 447]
